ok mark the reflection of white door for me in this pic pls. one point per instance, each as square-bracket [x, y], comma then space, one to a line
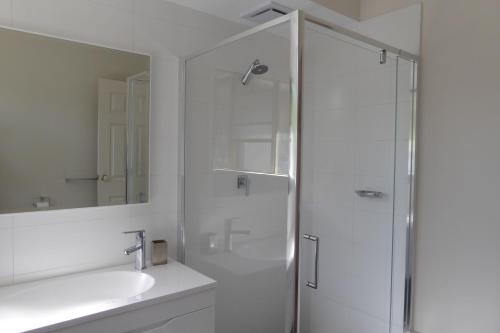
[138, 113]
[112, 142]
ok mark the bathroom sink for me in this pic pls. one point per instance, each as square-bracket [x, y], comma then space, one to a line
[83, 298]
[70, 296]
[94, 287]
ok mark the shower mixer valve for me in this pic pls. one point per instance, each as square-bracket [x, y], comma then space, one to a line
[242, 182]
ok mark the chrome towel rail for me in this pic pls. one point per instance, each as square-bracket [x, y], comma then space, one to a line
[370, 194]
[84, 179]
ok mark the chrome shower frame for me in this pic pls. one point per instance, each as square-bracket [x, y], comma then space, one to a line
[297, 21]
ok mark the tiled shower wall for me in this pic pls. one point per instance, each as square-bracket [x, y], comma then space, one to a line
[221, 114]
[354, 138]
[40, 244]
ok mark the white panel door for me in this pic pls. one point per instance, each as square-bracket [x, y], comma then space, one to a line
[138, 113]
[112, 142]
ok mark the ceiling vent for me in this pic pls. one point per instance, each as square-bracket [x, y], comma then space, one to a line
[266, 12]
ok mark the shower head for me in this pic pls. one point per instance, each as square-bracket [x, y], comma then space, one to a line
[255, 68]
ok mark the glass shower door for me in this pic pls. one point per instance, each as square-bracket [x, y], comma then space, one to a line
[351, 230]
[355, 127]
[236, 185]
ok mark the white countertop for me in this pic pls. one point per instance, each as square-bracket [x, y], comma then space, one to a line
[172, 281]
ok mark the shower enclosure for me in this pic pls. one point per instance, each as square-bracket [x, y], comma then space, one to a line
[298, 172]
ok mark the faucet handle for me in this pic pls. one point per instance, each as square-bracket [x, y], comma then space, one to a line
[141, 232]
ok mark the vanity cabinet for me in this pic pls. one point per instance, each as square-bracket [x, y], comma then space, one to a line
[189, 314]
[201, 321]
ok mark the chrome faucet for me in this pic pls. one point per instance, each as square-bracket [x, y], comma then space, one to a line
[139, 248]
[229, 232]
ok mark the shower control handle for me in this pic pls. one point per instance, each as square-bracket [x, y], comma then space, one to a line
[242, 182]
[315, 239]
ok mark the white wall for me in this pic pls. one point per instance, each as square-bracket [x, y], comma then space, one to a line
[458, 245]
[371, 8]
[457, 216]
[49, 243]
[350, 8]
[399, 28]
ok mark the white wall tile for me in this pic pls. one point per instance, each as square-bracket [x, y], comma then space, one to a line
[333, 156]
[334, 124]
[334, 190]
[405, 81]
[334, 223]
[79, 215]
[404, 115]
[399, 270]
[375, 123]
[403, 179]
[372, 229]
[377, 86]
[325, 315]
[371, 280]
[335, 261]
[6, 249]
[337, 92]
[50, 249]
[375, 159]
[349, 145]
[363, 323]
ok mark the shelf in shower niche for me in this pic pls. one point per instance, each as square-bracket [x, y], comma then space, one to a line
[252, 172]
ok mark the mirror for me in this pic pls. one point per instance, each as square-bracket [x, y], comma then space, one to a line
[74, 124]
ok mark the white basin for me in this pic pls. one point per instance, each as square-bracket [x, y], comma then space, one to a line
[55, 299]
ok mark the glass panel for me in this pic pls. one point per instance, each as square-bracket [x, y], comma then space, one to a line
[348, 146]
[404, 173]
[236, 184]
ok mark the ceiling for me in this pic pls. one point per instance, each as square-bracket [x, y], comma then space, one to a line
[231, 9]
[400, 28]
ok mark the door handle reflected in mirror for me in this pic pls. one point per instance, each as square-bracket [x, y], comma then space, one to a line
[104, 178]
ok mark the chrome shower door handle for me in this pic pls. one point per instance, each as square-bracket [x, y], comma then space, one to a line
[314, 284]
